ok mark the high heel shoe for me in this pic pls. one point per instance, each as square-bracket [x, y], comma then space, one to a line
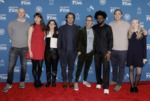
[48, 84]
[136, 89]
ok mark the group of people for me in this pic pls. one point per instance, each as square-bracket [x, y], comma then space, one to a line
[117, 42]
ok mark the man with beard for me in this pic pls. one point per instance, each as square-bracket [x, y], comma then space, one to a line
[102, 50]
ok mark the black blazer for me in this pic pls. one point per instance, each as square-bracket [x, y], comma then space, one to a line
[81, 43]
[62, 38]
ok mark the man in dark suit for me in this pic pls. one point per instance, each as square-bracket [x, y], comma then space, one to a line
[102, 50]
[67, 49]
[85, 43]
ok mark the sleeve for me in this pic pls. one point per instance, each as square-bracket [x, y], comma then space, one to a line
[59, 39]
[144, 47]
[78, 40]
[110, 39]
[10, 30]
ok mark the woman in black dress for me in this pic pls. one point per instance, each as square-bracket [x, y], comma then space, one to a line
[51, 52]
[136, 57]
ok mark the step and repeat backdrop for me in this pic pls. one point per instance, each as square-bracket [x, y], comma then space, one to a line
[57, 9]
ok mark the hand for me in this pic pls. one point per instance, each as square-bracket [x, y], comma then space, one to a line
[145, 32]
[31, 54]
[144, 61]
[108, 56]
[79, 53]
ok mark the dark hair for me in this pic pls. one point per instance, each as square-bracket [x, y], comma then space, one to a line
[117, 10]
[42, 24]
[47, 29]
[102, 13]
[70, 13]
[89, 16]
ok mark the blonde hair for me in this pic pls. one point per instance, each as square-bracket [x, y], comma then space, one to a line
[139, 33]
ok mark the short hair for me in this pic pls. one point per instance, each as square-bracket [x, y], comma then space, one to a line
[70, 13]
[117, 10]
[89, 16]
[102, 13]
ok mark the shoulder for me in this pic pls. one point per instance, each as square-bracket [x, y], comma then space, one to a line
[111, 23]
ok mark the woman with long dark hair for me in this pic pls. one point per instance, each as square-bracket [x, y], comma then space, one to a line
[36, 47]
[51, 52]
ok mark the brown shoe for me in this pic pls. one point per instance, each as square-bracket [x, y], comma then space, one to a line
[64, 84]
[71, 85]
[117, 88]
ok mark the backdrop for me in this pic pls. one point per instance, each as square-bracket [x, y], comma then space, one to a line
[57, 9]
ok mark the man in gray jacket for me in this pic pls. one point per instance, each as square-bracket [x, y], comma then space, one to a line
[18, 33]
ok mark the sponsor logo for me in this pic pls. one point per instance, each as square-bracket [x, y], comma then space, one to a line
[147, 17]
[148, 4]
[126, 76]
[3, 76]
[77, 16]
[17, 69]
[38, 9]
[13, 9]
[27, 76]
[139, 11]
[112, 9]
[149, 31]
[142, 24]
[51, 2]
[127, 16]
[27, 16]
[148, 47]
[2, 63]
[3, 46]
[64, 9]
[102, 2]
[2, 31]
[2, 1]
[91, 70]
[90, 8]
[3, 17]
[77, 2]
[51, 17]
[147, 75]
[25, 2]
[29, 62]
[126, 3]
[63, 23]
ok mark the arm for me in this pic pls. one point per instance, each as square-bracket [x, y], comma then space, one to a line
[29, 40]
[78, 41]
[10, 30]
[59, 40]
[144, 49]
[110, 43]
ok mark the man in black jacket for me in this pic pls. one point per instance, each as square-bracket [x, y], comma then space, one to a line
[102, 50]
[67, 49]
[84, 46]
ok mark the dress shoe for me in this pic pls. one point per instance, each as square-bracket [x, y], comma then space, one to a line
[71, 85]
[47, 84]
[64, 84]
[132, 89]
[136, 90]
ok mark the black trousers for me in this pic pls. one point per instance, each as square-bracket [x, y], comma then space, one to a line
[51, 62]
[87, 59]
[100, 60]
[67, 59]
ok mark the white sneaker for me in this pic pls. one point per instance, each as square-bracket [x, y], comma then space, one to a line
[76, 88]
[106, 91]
[86, 84]
[98, 86]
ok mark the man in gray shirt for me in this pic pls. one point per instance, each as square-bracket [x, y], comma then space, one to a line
[18, 33]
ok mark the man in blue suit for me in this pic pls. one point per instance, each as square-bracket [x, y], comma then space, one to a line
[66, 49]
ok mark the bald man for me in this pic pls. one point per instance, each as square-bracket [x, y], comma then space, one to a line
[18, 33]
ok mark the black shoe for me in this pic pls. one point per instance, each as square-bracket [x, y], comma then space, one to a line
[132, 89]
[136, 90]
[64, 85]
[71, 85]
[39, 84]
[48, 84]
[53, 84]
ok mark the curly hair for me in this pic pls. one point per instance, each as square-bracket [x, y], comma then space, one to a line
[102, 13]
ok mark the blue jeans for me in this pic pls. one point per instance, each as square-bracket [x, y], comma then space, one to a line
[118, 59]
[13, 56]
